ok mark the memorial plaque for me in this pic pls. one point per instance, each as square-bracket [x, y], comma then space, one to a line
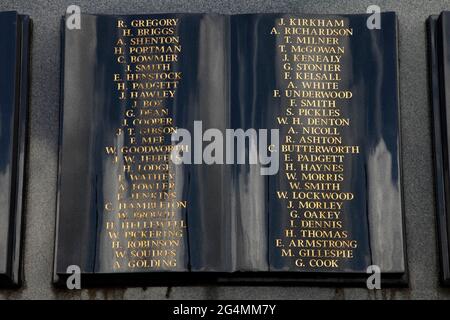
[14, 53]
[260, 148]
[438, 40]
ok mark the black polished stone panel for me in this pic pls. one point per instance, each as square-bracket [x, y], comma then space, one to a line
[14, 60]
[224, 223]
[438, 60]
[373, 220]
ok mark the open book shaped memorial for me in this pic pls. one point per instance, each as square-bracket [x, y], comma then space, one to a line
[14, 61]
[318, 198]
[438, 40]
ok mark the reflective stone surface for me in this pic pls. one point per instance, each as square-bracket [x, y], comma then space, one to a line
[233, 218]
[438, 60]
[14, 55]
